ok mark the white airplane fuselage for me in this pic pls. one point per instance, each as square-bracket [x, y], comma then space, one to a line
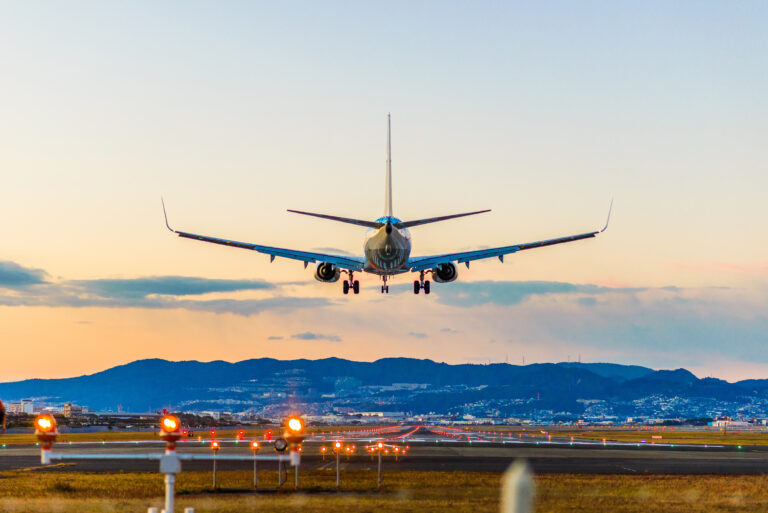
[387, 249]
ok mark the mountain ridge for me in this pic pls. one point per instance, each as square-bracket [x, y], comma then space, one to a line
[396, 384]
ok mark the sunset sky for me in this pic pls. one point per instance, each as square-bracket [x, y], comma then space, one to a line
[237, 111]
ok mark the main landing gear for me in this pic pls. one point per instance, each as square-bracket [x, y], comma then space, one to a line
[352, 283]
[421, 284]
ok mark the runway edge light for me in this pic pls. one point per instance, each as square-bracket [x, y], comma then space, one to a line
[170, 431]
[294, 434]
[46, 431]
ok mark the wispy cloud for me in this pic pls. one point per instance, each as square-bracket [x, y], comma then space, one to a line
[166, 286]
[508, 293]
[417, 334]
[308, 335]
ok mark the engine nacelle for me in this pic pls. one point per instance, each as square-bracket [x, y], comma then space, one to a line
[444, 273]
[327, 272]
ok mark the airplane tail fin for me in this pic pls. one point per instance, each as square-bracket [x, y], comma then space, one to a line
[417, 222]
[388, 185]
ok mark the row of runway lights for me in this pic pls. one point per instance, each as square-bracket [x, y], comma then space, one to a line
[46, 431]
[459, 434]
[170, 462]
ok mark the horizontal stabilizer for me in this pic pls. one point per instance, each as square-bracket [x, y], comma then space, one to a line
[359, 222]
[408, 224]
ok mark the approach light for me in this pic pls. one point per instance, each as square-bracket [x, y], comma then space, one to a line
[380, 445]
[169, 423]
[294, 432]
[170, 431]
[45, 424]
[215, 446]
[255, 446]
[323, 449]
[45, 429]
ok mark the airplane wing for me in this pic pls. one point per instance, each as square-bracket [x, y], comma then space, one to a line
[421, 263]
[344, 262]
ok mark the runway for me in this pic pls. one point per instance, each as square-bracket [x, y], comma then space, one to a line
[429, 450]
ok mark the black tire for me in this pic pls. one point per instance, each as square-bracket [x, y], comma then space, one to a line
[345, 287]
[416, 287]
[356, 287]
[386, 287]
[426, 287]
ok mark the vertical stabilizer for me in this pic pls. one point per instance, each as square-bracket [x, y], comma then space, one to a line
[388, 191]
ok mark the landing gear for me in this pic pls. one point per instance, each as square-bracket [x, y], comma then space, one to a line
[385, 287]
[352, 283]
[421, 284]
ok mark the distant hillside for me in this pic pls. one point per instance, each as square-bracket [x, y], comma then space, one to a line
[390, 384]
[611, 370]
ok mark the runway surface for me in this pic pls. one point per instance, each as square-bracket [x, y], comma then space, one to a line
[429, 449]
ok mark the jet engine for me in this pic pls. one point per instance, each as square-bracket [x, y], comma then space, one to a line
[444, 273]
[327, 272]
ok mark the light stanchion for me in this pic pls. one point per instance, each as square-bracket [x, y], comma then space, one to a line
[255, 449]
[215, 448]
[170, 465]
[380, 447]
[337, 450]
[295, 434]
[280, 446]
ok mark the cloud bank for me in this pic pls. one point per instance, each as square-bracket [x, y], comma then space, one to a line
[21, 286]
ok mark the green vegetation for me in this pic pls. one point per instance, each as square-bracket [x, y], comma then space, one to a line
[461, 492]
[673, 435]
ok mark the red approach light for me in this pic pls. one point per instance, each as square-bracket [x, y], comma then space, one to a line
[214, 446]
[268, 435]
[213, 432]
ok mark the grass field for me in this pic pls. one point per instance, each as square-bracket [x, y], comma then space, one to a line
[460, 492]
[667, 435]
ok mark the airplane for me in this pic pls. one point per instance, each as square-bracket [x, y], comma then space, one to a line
[387, 247]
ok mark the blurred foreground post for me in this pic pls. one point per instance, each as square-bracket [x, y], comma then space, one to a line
[517, 489]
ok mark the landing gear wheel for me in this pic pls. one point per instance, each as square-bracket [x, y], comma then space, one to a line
[416, 287]
[426, 287]
[386, 289]
[345, 287]
[356, 287]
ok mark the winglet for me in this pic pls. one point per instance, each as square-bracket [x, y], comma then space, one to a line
[610, 209]
[166, 215]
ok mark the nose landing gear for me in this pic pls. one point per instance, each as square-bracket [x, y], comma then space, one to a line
[385, 287]
[421, 284]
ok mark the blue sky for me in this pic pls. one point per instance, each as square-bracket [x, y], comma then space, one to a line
[237, 111]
